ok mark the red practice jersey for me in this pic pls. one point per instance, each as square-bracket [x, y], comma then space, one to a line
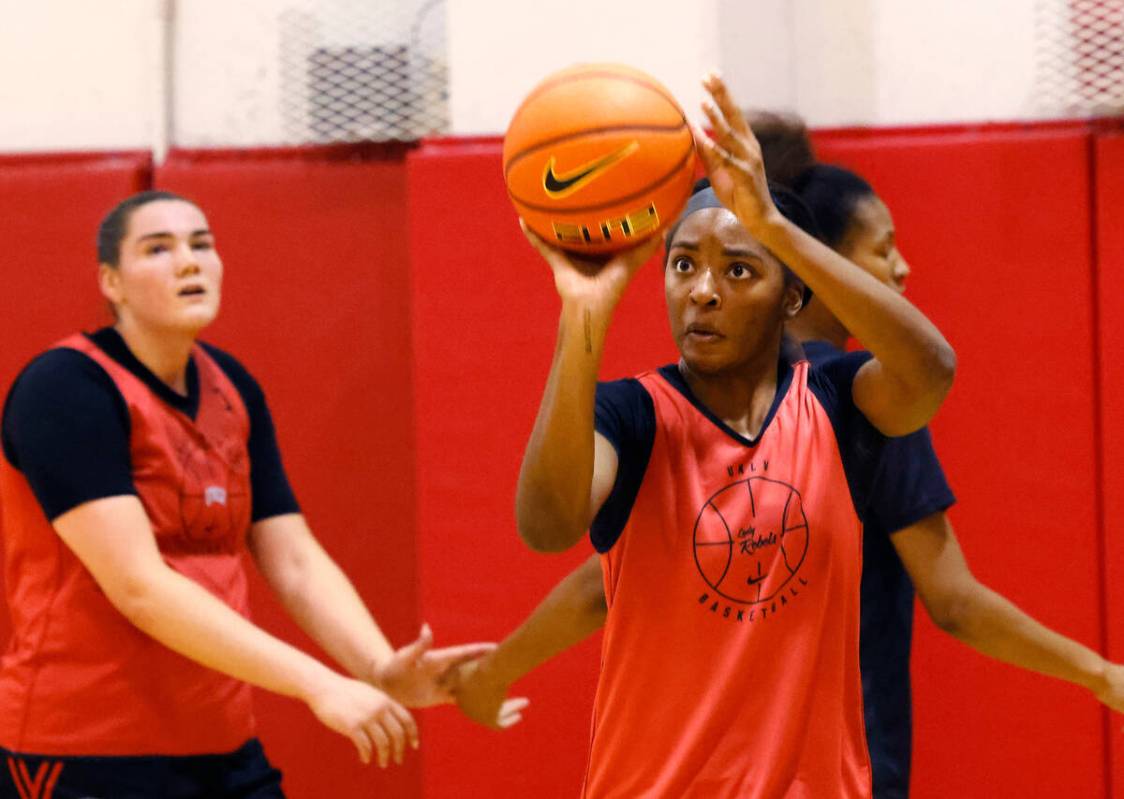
[78, 678]
[730, 660]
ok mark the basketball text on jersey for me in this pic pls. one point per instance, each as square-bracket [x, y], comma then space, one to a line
[750, 540]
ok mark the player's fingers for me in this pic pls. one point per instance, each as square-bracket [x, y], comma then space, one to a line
[363, 744]
[511, 712]
[731, 114]
[380, 740]
[537, 241]
[723, 135]
[515, 704]
[396, 734]
[406, 719]
[441, 660]
[707, 150]
[552, 255]
[731, 145]
[412, 652]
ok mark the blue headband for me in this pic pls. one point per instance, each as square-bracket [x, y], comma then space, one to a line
[702, 199]
[705, 198]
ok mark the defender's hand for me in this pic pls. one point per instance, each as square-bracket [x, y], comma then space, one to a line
[482, 696]
[419, 676]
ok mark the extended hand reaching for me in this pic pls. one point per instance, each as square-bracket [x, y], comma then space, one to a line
[482, 696]
[419, 676]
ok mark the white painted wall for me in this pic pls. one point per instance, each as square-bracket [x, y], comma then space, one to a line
[955, 59]
[499, 50]
[84, 74]
[76, 74]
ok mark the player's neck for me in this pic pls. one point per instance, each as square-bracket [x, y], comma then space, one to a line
[817, 323]
[164, 353]
[740, 397]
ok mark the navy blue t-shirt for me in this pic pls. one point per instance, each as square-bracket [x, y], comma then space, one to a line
[66, 428]
[894, 483]
[909, 487]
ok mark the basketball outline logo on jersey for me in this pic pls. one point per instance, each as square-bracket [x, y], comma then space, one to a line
[749, 541]
[750, 533]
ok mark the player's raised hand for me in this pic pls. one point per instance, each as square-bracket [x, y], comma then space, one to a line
[417, 675]
[482, 696]
[601, 282]
[377, 725]
[733, 159]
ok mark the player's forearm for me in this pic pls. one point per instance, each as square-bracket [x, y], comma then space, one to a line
[188, 619]
[552, 497]
[994, 626]
[910, 347]
[324, 603]
[569, 614]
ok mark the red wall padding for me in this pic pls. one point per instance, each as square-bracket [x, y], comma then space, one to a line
[1110, 271]
[51, 207]
[996, 226]
[316, 306]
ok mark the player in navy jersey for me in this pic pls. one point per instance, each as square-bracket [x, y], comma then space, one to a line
[139, 467]
[907, 537]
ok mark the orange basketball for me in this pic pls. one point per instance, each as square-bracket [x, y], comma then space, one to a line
[598, 157]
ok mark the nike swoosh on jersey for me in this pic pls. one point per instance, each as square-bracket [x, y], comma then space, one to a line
[557, 186]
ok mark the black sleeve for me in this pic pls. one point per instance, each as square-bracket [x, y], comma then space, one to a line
[625, 415]
[910, 484]
[273, 496]
[66, 428]
[860, 443]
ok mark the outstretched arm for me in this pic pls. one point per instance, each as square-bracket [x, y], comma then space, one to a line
[114, 540]
[964, 607]
[322, 600]
[900, 389]
[569, 614]
[564, 466]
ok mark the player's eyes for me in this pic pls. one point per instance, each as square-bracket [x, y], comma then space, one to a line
[740, 270]
[155, 249]
[682, 264]
[203, 244]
